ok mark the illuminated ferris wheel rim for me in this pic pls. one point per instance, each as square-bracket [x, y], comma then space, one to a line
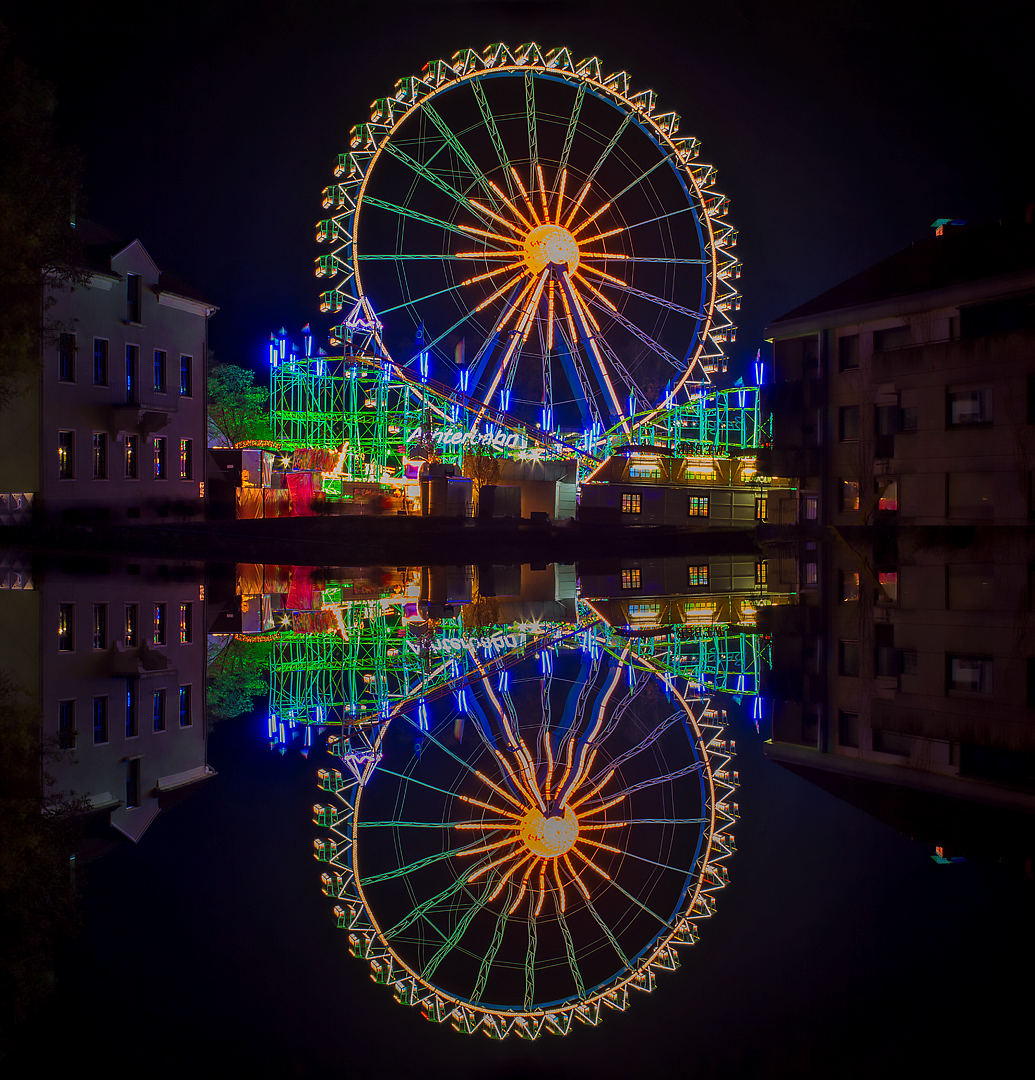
[497, 61]
[647, 960]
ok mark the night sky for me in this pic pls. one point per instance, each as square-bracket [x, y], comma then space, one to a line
[840, 130]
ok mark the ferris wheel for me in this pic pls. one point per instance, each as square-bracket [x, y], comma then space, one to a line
[534, 233]
[529, 871]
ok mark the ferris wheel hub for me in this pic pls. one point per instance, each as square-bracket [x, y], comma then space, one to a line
[549, 837]
[548, 244]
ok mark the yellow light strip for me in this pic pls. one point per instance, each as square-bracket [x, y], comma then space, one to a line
[524, 195]
[578, 203]
[488, 806]
[476, 874]
[502, 220]
[542, 193]
[603, 847]
[589, 862]
[491, 273]
[533, 306]
[485, 253]
[524, 887]
[567, 769]
[605, 806]
[542, 889]
[571, 322]
[491, 235]
[601, 273]
[583, 255]
[575, 876]
[513, 209]
[584, 311]
[491, 847]
[549, 745]
[495, 787]
[601, 235]
[560, 199]
[593, 289]
[589, 795]
[503, 880]
[560, 886]
[584, 828]
[500, 291]
[589, 221]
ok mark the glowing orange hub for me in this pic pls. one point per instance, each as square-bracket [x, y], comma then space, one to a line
[549, 837]
[548, 244]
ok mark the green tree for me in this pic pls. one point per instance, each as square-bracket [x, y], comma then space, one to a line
[236, 406]
[238, 675]
[39, 252]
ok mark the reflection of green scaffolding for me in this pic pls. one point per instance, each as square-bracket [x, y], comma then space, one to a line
[714, 658]
[374, 672]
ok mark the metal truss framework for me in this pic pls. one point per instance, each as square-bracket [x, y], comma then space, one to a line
[480, 881]
[543, 242]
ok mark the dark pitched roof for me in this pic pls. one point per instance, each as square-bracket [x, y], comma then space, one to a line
[970, 254]
[99, 244]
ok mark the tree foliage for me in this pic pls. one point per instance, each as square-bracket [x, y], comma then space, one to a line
[236, 677]
[236, 406]
[39, 181]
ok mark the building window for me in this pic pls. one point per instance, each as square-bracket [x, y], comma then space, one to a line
[908, 662]
[761, 573]
[848, 658]
[849, 496]
[186, 459]
[697, 506]
[66, 627]
[131, 374]
[697, 575]
[160, 457]
[66, 358]
[100, 362]
[630, 502]
[847, 728]
[889, 586]
[972, 674]
[644, 472]
[186, 623]
[130, 636]
[966, 407]
[158, 710]
[185, 717]
[100, 719]
[132, 782]
[100, 626]
[811, 508]
[761, 509]
[66, 725]
[186, 376]
[848, 423]
[131, 457]
[895, 337]
[811, 573]
[159, 386]
[631, 579]
[159, 626]
[887, 495]
[131, 709]
[848, 352]
[133, 298]
[66, 455]
[100, 455]
[909, 419]
[849, 585]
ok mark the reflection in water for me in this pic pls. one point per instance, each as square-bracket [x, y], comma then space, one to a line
[563, 721]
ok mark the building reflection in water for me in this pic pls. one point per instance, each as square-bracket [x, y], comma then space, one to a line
[532, 804]
[111, 654]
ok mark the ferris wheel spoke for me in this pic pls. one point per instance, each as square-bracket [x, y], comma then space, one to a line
[569, 949]
[644, 337]
[458, 148]
[474, 822]
[533, 942]
[453, 940]
[641, 904]
[647, 821]
[685, 771]
[652, 298]
[494, 947]
[420, 783]
[488, 256]
[607, 930]
[421, 299]
[643, 176]
[402, 871]
[427, 174]
[627, 120]
[490, 125]
[664, 217]
[420, 912]
[533, 140]
[405, 211]
[569, 137]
